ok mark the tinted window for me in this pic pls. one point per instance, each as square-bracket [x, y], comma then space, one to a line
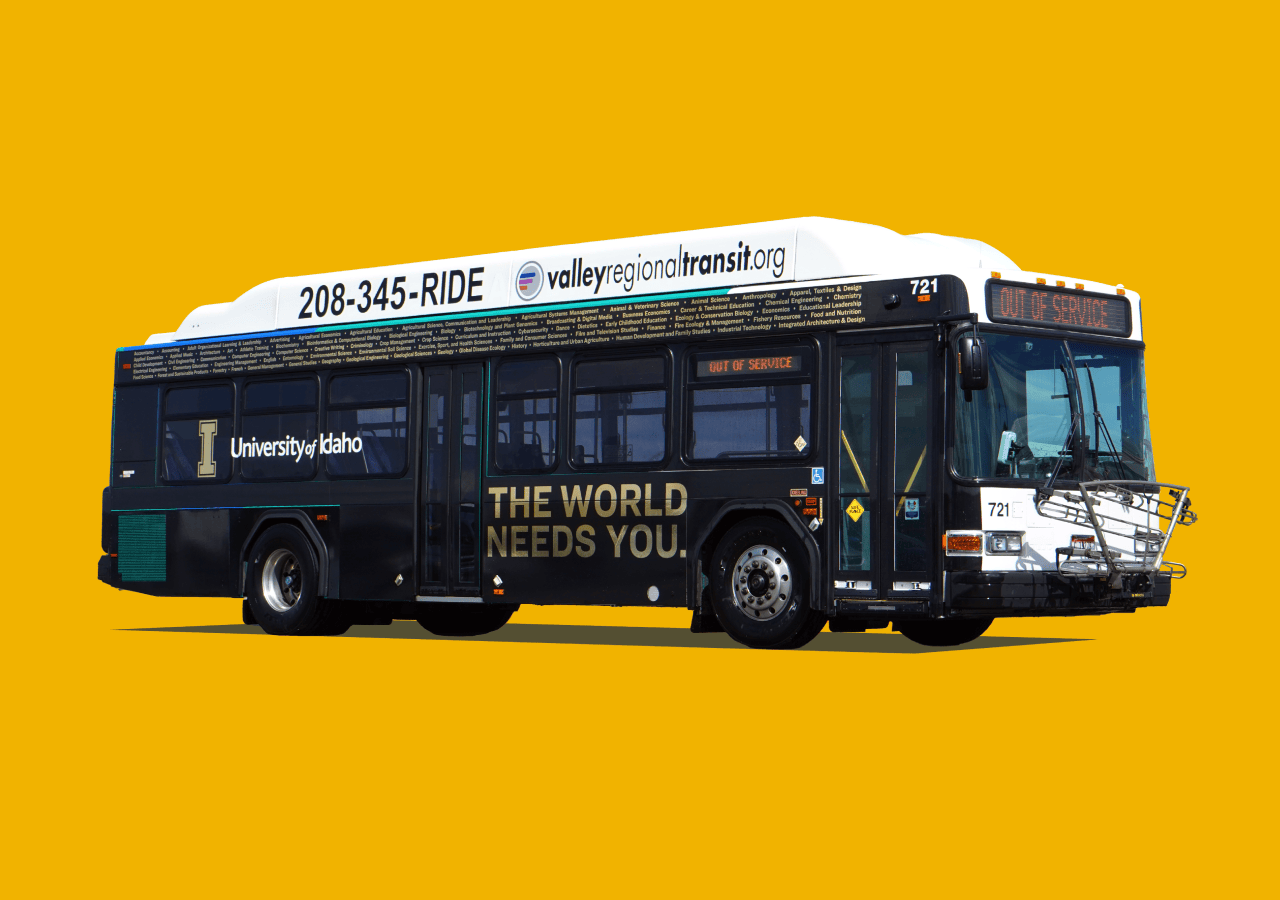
[372, 438]
[280, 394]
[199, 401]
[277, 446]
[197, 433]
[135, 424]
[619, 417]
[381, 387]
[623, 373]
[527, 412]
[282, 445]
[760, 421]
[435, 482]
[529, 376]
[366, 442]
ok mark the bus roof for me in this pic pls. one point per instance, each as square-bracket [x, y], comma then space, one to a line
[765, 253]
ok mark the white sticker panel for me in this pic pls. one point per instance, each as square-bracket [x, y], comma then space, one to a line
[1014, 509]
[720, 257]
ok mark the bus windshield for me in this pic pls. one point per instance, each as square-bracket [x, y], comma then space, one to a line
[1018, 426]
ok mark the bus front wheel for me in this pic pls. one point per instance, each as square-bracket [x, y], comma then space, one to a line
[282, 591]
[945, 632]
[465, 619]
[758, 588]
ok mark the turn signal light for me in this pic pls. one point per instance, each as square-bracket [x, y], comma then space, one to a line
[1081, 542]
[964, 542]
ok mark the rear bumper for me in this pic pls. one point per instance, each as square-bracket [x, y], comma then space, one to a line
[107, 570]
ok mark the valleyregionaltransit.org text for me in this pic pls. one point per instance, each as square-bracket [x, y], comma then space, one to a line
[682, 265]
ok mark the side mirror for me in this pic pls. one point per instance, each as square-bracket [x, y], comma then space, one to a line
[971, 360]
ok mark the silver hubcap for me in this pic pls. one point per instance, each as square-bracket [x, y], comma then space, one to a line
[761, 582]
[281, 580]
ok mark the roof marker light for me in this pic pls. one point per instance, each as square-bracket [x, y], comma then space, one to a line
[1062, 284]
[1079, 285]
[1041, 281]
[995, 274]
[1120, 289]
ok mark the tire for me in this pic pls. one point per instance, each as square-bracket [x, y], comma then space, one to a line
[282, 591]
[758, 584]
[465, 619]
[944, 632]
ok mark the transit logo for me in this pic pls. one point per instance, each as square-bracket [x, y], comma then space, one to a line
[529, 281]
[686, 263]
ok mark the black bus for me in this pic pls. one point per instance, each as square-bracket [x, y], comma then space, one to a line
[777, 426]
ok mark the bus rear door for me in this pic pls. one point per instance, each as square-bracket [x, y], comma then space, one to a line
[449, 518]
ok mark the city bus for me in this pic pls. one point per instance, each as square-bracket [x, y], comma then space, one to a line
[778, 427]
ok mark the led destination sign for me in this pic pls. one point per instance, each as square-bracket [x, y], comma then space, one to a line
[1067, 309]
[710, 367]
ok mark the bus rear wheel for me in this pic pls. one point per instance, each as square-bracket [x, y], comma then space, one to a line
[944, 633]
[758, 587]
[465, 619]
[283, 588]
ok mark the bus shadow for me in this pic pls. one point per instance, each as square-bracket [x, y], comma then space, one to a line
[624, 636]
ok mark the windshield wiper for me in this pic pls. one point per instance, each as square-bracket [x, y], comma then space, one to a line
[1101, 425]
[1045, 491]
[1068, 370]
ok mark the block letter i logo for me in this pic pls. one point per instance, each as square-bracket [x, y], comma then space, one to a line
[208, 468]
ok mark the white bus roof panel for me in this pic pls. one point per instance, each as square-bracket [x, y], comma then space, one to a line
[790, 250]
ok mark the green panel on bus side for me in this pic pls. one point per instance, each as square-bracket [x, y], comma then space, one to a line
[142, 548]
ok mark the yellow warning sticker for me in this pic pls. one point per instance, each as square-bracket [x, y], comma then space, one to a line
[855, 510]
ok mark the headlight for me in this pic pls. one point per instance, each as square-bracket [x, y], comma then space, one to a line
[1004, 543]
[1146, 544]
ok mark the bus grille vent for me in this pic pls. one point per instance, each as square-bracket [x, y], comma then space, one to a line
[141, 548]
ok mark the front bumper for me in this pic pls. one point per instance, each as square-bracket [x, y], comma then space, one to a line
[1050, 594]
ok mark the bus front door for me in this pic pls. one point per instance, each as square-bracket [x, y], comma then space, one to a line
[450, 482]
[886, 491]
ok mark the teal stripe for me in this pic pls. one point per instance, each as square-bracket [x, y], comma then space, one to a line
[517, 310]
[125, 512]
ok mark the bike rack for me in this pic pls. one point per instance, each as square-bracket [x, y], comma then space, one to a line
[1132, 521]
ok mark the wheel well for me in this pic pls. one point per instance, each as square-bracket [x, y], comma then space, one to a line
[303, 524]
[730, 516]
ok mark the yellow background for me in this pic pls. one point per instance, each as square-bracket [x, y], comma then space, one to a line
[159, 158]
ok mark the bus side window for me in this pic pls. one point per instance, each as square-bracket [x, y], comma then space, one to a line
[619, 412]
[762, 411]
[133, 440]
[197, 433]
[366, 426]
[527, 409]
[281, 414]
